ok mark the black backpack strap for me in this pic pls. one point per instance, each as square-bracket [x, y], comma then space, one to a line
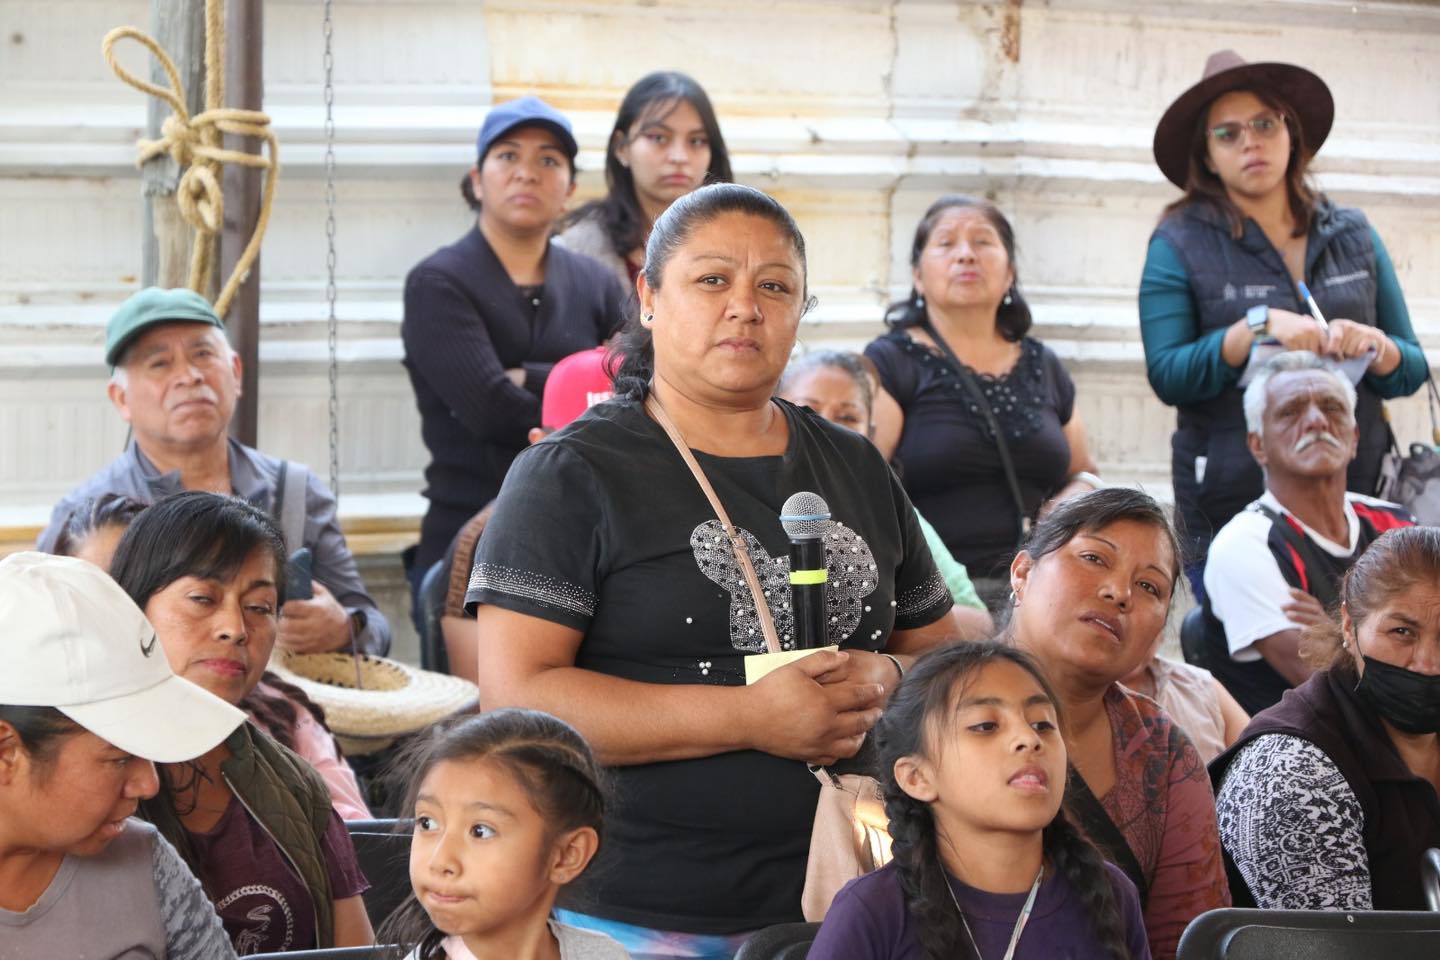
[978, 395]
[288, 504]
[1089, 814]
[1318, 574]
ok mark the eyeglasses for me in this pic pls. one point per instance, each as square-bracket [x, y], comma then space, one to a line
[1265, 127]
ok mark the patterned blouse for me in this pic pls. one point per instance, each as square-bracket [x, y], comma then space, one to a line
[1294, 827]
[1162, 804]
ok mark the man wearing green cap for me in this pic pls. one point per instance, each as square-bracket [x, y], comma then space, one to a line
[175, 380]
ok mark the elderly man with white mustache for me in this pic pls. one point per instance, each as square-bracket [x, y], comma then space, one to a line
[1276, 567]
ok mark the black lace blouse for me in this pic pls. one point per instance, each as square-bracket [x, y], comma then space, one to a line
[952, 470]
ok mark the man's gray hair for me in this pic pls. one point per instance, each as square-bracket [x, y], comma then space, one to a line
[1257, 393]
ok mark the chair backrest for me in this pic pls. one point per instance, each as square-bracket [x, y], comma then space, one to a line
[431, 600]
[1192, 638]
[1237, 934]
[784, 941]
[1430, 877]
[382, 848]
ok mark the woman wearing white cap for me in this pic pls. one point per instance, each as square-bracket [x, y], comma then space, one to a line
[87, 708]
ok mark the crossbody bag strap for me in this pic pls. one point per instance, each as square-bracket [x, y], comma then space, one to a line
[1095, 822]
[742, 555]
[983, 403]
[1434, 404]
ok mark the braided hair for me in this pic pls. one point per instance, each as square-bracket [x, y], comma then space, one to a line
[921, 700]
[548, 758]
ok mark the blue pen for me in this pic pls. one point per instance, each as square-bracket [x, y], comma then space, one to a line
[1314, 307]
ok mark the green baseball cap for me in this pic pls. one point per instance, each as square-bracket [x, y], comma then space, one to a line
[149, 307]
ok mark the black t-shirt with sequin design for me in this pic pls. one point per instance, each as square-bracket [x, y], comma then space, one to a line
[952, 467]
[602, 528]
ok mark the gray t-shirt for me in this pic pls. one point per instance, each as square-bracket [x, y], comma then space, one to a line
[135, 900]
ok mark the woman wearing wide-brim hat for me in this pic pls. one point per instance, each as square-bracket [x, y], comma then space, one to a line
[1223, 271]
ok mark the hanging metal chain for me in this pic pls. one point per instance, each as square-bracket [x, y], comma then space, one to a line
[332, 329]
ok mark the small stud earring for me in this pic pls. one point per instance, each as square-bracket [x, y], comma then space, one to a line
[1009, 298]
[1014, 598]
[919, 301]
[649, 319]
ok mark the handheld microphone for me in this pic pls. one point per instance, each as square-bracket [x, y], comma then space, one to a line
[805, 518]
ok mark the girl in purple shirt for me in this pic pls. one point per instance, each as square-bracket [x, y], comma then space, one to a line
[986, 863]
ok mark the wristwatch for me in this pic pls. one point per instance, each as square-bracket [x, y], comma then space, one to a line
[1257, 318]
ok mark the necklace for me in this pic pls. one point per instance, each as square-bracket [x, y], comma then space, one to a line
[1020, 921]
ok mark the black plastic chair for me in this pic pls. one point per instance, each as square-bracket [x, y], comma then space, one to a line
[1236, 934]
[382, 848]
[784, 941]
[431, 600]
[1192, 638]
[1430, 877]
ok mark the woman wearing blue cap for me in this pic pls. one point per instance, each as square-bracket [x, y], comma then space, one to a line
[487, 316]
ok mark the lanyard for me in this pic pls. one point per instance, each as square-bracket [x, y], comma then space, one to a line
[1020, 922]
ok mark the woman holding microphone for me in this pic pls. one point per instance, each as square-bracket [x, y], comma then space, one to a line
[609, 594]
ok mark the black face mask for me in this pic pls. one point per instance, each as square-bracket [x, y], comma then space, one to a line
[1409, 700]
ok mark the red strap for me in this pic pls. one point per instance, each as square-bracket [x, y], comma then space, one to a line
[1299, 566]
[1380, 519]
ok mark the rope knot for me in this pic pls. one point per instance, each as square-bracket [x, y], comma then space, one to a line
[194, 143]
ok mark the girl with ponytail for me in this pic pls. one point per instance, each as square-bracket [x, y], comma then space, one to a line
[986, 863]
[508, 809]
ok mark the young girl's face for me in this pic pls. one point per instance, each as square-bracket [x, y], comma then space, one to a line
[668, 153]
[483, 860]
[997, 762]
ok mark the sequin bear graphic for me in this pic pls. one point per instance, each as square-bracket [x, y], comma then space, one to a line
[849, 565]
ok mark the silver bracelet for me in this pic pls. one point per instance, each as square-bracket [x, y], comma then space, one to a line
[899, 668]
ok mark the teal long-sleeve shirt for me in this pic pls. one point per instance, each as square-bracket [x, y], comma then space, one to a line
[1186, 367]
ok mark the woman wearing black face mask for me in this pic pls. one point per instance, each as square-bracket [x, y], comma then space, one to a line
[1329, 797]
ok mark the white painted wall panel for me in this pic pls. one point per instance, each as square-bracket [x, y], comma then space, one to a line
[856, 113]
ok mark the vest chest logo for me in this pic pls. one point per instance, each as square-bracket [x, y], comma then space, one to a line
[1346, 278]
[1258, 291]
[1229, 292]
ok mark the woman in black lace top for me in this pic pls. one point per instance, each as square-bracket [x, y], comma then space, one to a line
[966, 297]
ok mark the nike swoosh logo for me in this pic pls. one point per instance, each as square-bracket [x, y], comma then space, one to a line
[148, 648]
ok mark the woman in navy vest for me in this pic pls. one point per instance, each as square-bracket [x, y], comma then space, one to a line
[1223, 271]
[488, 316]
[1329, 797]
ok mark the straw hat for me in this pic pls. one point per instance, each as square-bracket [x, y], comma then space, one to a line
[1226, 70]
[394, 699]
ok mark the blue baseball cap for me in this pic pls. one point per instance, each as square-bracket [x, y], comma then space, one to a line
[525, 112]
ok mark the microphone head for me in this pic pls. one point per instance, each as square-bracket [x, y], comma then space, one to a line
[805, 516]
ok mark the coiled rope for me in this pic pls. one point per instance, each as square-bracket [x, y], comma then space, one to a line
[194, 144]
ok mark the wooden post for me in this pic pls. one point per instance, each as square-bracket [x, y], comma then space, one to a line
[166, 240]
[244, 86]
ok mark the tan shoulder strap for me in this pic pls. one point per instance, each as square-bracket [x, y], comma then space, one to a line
[742, 555]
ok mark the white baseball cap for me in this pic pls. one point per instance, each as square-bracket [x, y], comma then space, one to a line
[75, 641]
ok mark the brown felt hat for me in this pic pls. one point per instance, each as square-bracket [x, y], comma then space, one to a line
[1226, 70]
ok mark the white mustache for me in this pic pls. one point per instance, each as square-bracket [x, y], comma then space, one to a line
[1310, 438]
